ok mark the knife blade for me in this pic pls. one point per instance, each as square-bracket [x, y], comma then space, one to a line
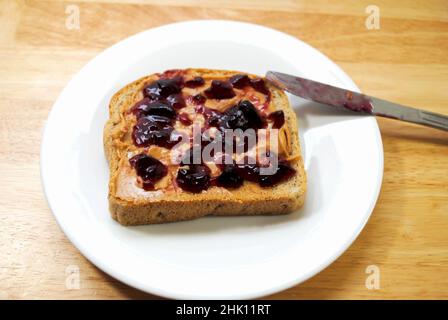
[354, 101]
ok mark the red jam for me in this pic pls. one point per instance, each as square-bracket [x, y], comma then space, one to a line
[149, 169]
[184, 119]
[195, 82]
[240, 81]
[229, 178]
[162, 88]
[220, 90]
[277, 118]
[194, 179]
[161, 106]
[198, 99]
[241, 116]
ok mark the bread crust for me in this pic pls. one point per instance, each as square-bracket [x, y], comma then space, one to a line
[249, 199]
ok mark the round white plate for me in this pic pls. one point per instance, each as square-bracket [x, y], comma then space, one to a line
[213, 257]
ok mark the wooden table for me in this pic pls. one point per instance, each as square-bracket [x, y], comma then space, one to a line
[406, 60]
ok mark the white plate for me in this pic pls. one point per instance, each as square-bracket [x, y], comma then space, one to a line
[215, 257]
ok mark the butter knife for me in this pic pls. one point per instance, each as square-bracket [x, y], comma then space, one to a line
[354, 101]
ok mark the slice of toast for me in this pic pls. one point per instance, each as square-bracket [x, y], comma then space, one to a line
[132, 202]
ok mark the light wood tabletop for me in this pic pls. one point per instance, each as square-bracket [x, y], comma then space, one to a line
[405, 60]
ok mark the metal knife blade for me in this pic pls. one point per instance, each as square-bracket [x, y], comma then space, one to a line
[354, 101]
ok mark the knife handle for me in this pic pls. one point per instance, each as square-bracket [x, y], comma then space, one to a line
[392, 110]
[434, 120]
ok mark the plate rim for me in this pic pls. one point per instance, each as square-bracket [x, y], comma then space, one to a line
[118, 274]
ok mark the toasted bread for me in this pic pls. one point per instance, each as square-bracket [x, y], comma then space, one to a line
[130, 204]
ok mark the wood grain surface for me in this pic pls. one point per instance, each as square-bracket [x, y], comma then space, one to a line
[406, 60]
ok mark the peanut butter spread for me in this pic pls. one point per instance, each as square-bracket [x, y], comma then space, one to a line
[156, 128]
